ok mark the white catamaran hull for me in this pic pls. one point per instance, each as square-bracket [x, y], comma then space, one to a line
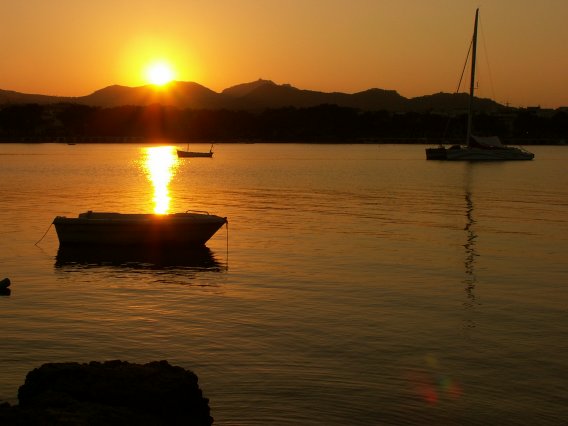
[483, 154]
[471, 153]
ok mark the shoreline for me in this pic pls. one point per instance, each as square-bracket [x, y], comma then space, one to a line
[378, 141]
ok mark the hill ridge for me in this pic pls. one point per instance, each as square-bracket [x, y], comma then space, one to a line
[255, 95]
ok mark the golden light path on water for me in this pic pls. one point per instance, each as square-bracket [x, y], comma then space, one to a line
[160, 164]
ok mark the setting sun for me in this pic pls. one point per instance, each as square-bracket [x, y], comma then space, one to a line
[159, 73]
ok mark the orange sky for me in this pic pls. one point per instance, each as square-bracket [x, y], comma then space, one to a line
[416, 47]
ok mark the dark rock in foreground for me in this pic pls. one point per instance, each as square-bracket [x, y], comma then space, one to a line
[4, 284]
[109, 393]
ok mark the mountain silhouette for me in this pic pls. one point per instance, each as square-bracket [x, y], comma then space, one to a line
[256, 95]
[245, 88]
[11, 97]
[179, 94]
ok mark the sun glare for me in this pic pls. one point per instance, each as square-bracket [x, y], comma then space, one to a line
[160, 164]
[159, 73]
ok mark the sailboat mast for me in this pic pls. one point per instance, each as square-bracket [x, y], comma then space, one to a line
[472, 80]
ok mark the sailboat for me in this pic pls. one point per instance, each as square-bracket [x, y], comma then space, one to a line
[477, 148]
[188, 153]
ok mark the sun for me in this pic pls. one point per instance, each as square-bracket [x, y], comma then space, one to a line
[159, 73]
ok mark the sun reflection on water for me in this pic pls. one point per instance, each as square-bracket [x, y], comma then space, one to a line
[160, 164]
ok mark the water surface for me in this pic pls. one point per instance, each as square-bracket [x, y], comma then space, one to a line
[355, 284]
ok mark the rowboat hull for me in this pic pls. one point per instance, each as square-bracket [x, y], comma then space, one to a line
[187, 154]
[116, 229]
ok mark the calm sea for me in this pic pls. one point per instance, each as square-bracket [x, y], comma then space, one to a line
[354, 285]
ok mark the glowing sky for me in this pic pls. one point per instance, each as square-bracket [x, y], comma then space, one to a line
[416, 47]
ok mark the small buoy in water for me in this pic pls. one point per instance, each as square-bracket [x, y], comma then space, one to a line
[4, 284]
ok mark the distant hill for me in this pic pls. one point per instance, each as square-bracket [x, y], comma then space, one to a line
[244, 89]
[256, 95]
[180, 94]
[11, 97]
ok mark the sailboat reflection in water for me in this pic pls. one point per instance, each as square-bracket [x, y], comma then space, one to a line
[158, 231]
[471, 254]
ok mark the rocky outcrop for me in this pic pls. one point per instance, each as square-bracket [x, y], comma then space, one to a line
[4, 287]
[109, 393]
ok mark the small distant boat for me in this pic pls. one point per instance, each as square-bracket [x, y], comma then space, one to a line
[477, 148]
[188, 153]
[135, 230]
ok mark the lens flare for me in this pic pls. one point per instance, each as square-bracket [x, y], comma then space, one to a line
[431, 384]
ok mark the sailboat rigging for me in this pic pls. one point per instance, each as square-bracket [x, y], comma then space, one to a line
[477, 148]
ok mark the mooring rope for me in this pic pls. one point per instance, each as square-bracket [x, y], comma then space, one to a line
[44, 234]
[227, 255]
